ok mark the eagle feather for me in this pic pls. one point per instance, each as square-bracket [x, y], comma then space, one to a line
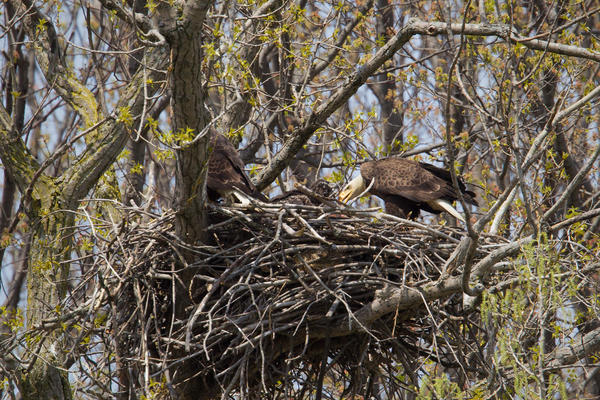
[226, 176]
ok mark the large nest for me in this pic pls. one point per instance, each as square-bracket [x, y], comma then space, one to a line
[283, 298]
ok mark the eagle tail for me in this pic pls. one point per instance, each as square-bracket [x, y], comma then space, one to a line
[243, 198]
[259, 196]
[445, 206]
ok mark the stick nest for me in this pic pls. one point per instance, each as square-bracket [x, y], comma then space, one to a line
[282, 299]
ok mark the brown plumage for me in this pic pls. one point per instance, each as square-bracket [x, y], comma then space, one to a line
[226, 176]
[321, 188]
[408, 186]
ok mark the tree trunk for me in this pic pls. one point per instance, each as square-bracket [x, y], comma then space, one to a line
[190, 118]
[47, 284]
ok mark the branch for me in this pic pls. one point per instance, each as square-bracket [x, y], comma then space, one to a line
[48, 52]
[505, 32]
[390, 299]
[574, 185]
[343, 35]
[575, 106]
[394, 299]
[535, 150]
[482, 267]
[238, 104]
[133, 18]
[15, 157]
[588, 344]
[101, 153]
[16, 285]
[502, 210]
[570, 221]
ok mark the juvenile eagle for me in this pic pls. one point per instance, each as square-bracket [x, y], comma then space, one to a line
[226, 177]
[321, 188]
[407, 187]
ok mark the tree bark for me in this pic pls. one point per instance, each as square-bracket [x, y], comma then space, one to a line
[190, 117]
[47, 284]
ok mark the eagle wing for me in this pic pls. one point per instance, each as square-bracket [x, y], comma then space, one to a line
[226, 169]
[405, 178]
[469, 196]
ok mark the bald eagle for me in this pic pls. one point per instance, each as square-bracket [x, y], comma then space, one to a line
[226, 177]
[407, 187]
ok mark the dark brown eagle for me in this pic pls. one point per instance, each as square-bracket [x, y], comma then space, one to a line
[226, 177]
[407, 187]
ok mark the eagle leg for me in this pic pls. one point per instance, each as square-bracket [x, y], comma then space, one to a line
[406, 211]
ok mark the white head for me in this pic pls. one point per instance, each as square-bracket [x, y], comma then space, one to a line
[354, 188]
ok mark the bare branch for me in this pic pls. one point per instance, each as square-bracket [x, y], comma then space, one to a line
[505, 32]
[574, 185]
[582, 347]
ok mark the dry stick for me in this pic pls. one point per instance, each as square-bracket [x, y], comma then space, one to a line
[204, 301]
[310, 228]
[332, 293]
[575, 219]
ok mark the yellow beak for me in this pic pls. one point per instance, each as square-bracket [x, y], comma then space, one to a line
[345, 195]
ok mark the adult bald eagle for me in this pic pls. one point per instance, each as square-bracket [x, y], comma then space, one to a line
[407, 187]
[226, 177]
